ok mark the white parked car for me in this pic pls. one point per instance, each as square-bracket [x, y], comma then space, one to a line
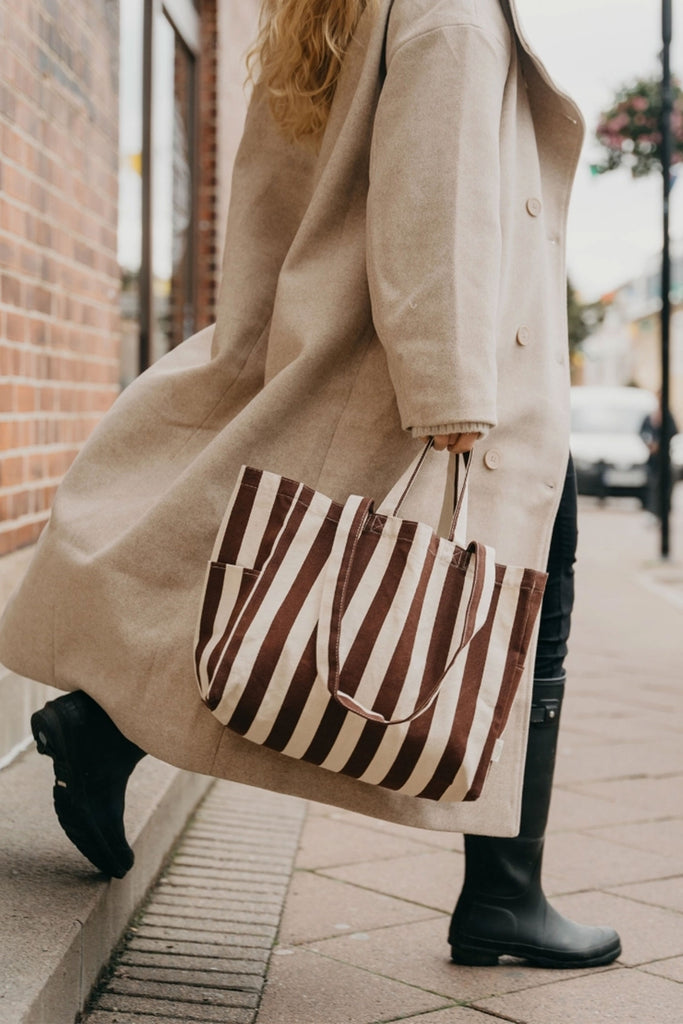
[609, 454]
[677, 457]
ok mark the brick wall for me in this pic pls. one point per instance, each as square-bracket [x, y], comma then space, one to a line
[59, 279]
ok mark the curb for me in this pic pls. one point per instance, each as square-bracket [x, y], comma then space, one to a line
[60, 920]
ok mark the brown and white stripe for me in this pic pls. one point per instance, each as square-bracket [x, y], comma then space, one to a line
[359, 641]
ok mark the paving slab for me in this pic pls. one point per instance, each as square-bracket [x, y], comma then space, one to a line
[442, 840]
[224, 887]
[648, 798]
[571, 811]
[241, 873]
[185, 922]
[170, 947]
[453, 1015]
[117, 1017]
[672, 969]
[606, 997]
[319, 907]
[135, 958]
[661, 837]
[257, 863]
[346, 843]
[621, 760]
[585, 861]
[637, 726]
[430, 879]
[305, 988]
[664, 892]
[206, 977]
[418, 954]
[224, 938]
[235, 912]
[159, 1010]
[208, 993]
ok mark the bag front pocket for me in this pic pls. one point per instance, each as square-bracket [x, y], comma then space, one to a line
[226, 588]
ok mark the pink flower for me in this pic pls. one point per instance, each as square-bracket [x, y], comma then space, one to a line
[615, 124]
[640, 103]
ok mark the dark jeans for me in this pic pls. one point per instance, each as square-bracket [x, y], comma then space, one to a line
[558, 599]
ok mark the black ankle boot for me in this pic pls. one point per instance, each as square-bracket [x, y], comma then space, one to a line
[92, 762]
[502, 909]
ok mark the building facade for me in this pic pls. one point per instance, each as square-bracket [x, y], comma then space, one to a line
[119, 121]
[626, 348]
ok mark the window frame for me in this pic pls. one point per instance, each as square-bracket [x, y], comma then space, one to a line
[184, 20]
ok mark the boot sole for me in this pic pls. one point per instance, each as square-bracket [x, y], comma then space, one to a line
[479, 956]
[71, 801]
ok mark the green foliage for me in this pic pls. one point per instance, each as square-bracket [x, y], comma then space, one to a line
[630, 131]
[582, 318]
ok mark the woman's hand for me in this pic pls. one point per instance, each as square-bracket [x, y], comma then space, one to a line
[455, 443]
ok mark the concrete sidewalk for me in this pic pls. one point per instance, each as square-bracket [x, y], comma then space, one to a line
[355, 910]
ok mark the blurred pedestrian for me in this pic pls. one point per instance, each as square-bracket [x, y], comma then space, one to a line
[394, 269]
[651, 433]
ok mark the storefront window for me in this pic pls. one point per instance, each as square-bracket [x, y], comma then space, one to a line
[173, 191]
[130, 185]
[157, 179]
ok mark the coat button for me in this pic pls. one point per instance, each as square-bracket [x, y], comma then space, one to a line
[492, 459]
[523, 335]
[533, 206]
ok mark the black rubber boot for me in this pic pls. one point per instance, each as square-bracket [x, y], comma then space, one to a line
[93, 762]
[502, 909]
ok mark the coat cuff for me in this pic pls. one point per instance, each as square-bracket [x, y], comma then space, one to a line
[452, 428]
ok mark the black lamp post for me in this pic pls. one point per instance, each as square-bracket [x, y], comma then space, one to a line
[665, 432]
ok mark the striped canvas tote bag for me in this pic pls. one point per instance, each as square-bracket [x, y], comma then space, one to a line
[359, 641]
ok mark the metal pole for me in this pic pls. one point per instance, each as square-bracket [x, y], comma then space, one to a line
[665, 439]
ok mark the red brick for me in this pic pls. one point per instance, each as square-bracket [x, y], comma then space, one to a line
[39, 331]
[11, 290]
[7, 430]
[16, 183]
[12, 219]
[6, 358]
[47, 398]
[12, 145]
[6, 397]
[15, 327]
[19, 504]
[24, 433]
[11, 470]
[25, 397]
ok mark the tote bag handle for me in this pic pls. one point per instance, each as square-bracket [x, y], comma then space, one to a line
[391, 506]
[350, 529]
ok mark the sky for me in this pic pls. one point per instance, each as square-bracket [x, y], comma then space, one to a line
[591, 48]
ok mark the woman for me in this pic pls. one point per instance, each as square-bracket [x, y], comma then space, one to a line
[394, 269]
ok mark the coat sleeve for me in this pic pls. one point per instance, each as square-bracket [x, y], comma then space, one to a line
[434, 225]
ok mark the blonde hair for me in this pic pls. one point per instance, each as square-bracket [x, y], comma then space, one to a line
[297, 59]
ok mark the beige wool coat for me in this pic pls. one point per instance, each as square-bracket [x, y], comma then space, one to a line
[409, 275]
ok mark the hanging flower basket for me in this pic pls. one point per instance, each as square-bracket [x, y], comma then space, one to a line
[630, 131]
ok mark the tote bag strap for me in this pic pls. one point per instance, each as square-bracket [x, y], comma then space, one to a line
[391, 506]
[334, 600]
